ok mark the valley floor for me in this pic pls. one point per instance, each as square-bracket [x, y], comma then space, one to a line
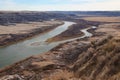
[95, 58]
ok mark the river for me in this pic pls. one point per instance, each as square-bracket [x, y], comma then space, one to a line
[34, 46]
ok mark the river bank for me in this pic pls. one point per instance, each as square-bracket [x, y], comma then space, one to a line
[74, 30]
[14, 33]
[33, 46]
[81, 23]
[66, 62]
[43, 55]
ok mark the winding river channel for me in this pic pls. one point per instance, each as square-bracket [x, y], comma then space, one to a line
[34, 46]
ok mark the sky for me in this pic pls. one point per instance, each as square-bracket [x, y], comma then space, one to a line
[60, 5]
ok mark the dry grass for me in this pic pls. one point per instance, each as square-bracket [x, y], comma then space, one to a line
[24, 27]
[112, 45]
[42, 64]
[115, 77]
[109, 29]
[103, 19]
[61, 75]
[101, 63]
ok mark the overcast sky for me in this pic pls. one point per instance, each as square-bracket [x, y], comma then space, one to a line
[60, 5]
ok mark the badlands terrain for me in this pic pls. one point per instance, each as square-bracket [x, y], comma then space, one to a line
[95, 57]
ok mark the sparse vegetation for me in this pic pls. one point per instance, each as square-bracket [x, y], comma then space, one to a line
[100, 63]
[103, 19]
[61, 75]
[84, 63]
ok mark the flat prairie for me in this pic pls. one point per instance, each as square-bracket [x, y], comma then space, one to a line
[103, 19]
[22, 28]
[110, 29]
